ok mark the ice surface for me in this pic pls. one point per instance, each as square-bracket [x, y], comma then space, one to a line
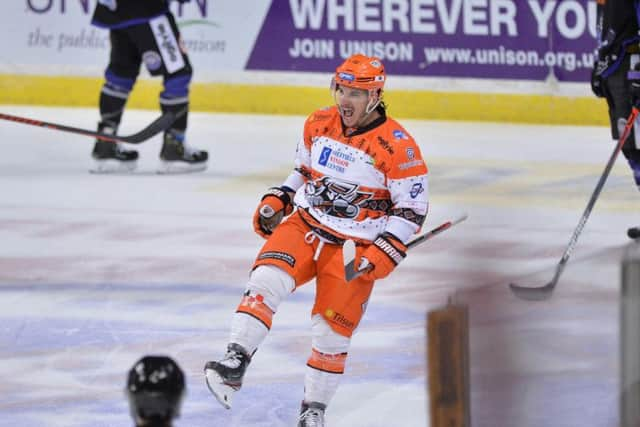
[96, 271]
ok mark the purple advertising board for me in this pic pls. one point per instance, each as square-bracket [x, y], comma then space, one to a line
[497, 39]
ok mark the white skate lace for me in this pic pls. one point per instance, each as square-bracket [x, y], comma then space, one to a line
[119, 147]
[312, 418]
[232, 360]
[188, 150]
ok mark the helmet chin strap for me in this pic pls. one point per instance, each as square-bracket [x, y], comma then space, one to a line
[371, 106]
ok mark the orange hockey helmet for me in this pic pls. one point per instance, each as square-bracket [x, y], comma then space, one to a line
[361, 72]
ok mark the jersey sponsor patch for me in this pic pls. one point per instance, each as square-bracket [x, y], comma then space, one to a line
[347, 76]
[412, 163]
[335, 160]
[411, 156]
[167, 44]
[324, 156]
[411, 153]
[280, 256]
[416, 189]
[398, 134]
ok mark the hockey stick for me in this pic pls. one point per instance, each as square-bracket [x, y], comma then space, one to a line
[543, 292]
[158, 125]
[351, 273]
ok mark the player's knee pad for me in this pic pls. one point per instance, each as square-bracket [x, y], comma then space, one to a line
[329, 348]
[266, 289]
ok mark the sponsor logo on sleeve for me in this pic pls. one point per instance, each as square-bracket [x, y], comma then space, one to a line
[411, 153]
[411, 164]
[416, 189]
[411, 156]
[398, 134]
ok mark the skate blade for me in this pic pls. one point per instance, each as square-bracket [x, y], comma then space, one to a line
[177, 167]
[222, 392]
[110, 166]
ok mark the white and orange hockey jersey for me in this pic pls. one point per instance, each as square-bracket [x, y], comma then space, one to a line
[359, 183]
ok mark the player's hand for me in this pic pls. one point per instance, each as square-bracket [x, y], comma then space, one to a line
[382, 256]
[273, 207]
[597, 80]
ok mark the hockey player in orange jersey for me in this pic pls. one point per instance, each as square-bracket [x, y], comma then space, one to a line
[358, 176]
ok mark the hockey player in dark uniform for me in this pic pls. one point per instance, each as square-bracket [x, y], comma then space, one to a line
[155, 388]
[616, 74]
[144, 31]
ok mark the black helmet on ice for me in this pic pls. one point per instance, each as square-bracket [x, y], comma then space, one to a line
[155, 388]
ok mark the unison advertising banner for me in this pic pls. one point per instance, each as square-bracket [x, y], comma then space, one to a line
[493, 39]
[498, 39]
[56, 36]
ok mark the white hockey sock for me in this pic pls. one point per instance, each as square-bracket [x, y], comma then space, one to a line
[267, 287]
[320, 386]
[247, 332]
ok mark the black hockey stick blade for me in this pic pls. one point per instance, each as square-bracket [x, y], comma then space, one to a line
[533, 294]
[351, 273]
[160, 124]
[540, 293]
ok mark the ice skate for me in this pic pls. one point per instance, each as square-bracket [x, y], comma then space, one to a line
[111, 157]
[224, 377]
[633, 232]
[311, 414]
[177, 157]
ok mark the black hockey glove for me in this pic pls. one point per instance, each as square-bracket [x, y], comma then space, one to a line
[274, 206]
[602, 63]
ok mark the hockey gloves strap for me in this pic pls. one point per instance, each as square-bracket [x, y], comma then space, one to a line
[383, 255]
[273, 207]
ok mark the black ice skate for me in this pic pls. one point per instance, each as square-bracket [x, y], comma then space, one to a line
[111, 157]
[311, 414]
[224, 377]
[178, 157]
[633, 232]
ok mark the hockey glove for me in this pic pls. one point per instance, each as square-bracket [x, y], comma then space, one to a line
[273, 207]
[597, 81]
[382, 256]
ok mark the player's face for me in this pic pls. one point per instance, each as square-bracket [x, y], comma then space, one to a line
[353, 104]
